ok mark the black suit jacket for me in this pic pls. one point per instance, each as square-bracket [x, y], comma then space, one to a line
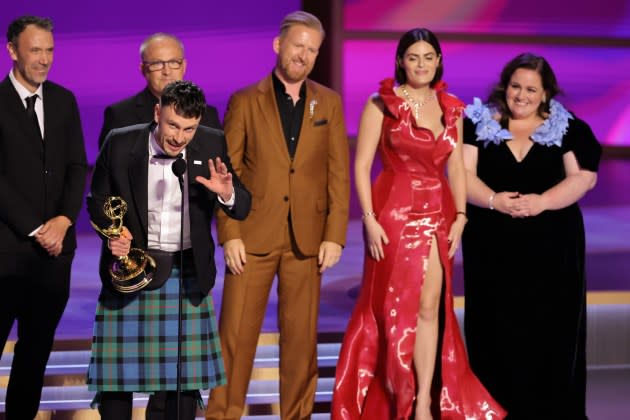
[39, 180]
[122, 170]
[138, 109]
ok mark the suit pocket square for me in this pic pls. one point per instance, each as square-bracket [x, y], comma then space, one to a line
[197, 162]
[320, 122]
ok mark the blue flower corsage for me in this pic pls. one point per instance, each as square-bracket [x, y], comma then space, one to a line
[553, 129]
[488, 130]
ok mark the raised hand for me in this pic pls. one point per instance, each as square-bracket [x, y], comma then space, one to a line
[220, 181]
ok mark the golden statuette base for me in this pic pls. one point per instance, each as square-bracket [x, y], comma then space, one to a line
[135, 270]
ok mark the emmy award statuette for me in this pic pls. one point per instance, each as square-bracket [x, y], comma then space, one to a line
[135, 270]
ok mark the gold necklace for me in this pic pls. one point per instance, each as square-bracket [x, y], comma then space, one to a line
[416, 105]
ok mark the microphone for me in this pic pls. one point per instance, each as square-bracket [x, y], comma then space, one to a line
[179, 169]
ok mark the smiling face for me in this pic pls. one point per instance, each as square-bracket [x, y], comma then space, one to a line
[524, 93]
[297, 51]
[420, 63]
[174, 132]
[32, 56]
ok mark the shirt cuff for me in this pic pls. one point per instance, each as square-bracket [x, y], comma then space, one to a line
[229, 203]
[33, 233]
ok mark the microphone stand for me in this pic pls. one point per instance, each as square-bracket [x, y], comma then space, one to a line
[179, 168]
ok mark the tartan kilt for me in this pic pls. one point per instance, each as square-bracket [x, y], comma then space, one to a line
[134, 347]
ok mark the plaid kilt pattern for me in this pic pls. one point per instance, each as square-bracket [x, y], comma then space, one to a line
[134, 347]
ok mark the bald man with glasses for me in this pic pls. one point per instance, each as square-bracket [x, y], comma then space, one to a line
[162, 62]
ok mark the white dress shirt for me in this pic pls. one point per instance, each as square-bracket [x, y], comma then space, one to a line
[164, 203]
[25, 93]
[39, 110]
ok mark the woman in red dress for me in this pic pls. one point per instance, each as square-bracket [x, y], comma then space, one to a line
[414, 215]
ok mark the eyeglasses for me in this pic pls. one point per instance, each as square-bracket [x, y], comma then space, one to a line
[159, 65]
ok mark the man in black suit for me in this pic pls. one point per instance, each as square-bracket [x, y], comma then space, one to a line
[162, 62]
[135, 338]
[42, 177]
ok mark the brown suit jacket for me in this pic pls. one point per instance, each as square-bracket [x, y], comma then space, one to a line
[314, 187]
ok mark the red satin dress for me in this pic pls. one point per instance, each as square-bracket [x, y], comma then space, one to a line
[375, 377]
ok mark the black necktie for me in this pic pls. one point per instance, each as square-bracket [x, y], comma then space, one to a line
[32, 115]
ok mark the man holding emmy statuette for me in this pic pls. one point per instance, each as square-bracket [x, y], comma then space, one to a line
[154, 191]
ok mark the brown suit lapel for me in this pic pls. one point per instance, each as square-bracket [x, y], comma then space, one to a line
[269, 111]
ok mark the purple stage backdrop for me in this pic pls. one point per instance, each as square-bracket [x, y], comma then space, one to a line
[580, 18]
[228, 45]
[470, 70]
[587, 45]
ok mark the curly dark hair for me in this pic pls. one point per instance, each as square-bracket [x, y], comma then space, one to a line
[524, 61]
[186, 98]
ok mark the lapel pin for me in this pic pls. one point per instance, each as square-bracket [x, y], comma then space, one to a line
[311, 108]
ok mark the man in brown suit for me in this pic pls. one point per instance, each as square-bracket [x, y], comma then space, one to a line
[287, 142]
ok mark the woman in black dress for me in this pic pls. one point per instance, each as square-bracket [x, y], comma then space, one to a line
[528, 162]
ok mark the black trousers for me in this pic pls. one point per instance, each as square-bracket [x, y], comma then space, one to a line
[34, 290]
[162, 405]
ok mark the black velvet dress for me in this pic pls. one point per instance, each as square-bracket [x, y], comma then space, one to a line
[525, 314]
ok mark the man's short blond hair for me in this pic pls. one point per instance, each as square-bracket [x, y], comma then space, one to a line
[301, 18]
